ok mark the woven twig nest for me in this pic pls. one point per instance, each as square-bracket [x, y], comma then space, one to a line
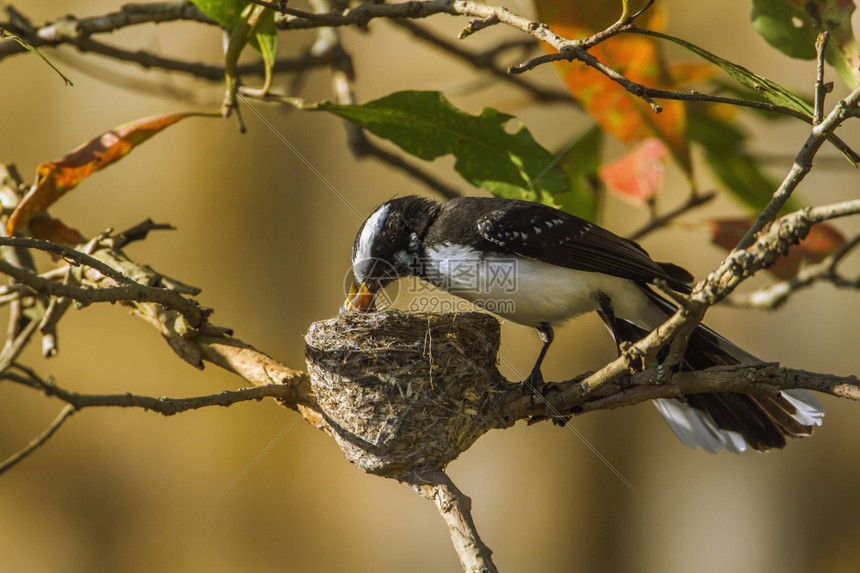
[403, 393]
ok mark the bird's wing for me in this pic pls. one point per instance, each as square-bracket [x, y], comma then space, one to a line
[547, 234]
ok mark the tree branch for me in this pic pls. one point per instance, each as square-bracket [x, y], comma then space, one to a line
[564, 398]
[821, 89]
[484, 63]
[188, 308]
[70, 29]
[802, 164]
[161, 405]
[456, 509]
[774, 296]
[660, 221]
[39, 440]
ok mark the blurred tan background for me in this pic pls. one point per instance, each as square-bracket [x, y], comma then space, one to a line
[269, 244]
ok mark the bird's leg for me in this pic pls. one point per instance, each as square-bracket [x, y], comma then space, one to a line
[625, 333]
[534, 383]
[607, 313]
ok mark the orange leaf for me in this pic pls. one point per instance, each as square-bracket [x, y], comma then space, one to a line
[55, 178]
[638, 174]
[822, 241]
[635, 57]
[686, 73]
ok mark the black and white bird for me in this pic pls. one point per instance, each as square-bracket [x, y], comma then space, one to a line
[539, 266]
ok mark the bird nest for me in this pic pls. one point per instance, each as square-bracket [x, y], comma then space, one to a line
[403, 393]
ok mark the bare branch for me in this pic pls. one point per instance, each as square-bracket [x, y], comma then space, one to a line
[128, 15]
[802, 164]
[38, 441]
[161, 405]
[659, 221]
[69, 254]
[16, 342]
[821, 89]
[209, 72]
[57, 307]
[129, 292]
[487, 15]
[456, 509]
[771, 243]
[70, 29]
[650, 384]
[362, 146]
[484, 63]
[776, 295]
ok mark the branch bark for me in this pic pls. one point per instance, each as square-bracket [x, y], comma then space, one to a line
[456, 509]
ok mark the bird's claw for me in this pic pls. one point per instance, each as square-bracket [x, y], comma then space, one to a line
[534, 385]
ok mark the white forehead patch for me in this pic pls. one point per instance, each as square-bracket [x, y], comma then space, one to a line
[371, 229]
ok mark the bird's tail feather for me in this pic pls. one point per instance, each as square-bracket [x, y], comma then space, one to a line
[729, 420]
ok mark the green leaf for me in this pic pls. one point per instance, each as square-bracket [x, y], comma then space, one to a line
[225, 12]
[265, 38]
[228, 14]
[426, 125]
[580, 161]
[723, 146]
[733, 89]
[771, 91]
[773, 20]
[792, 26]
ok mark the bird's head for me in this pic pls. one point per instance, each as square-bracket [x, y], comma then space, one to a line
[387, 247]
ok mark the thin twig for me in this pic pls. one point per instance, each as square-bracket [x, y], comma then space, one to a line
[188, 308]
[775, 295]
[821, 88]
[659, 221]
[363, 147]
[37, 442]
[57, 307]
[165, 406]
[14, 346]
[802, 165]
[209, 72]
[161, 405]
[343, 80]
[484, 63]
[129, 289]
[69, 254]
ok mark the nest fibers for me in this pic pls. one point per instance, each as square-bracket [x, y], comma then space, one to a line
[403, 393]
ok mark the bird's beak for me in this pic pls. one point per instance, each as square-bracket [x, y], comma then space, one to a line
[359, 299]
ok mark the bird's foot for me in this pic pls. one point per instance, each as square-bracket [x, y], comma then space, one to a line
[534, 385]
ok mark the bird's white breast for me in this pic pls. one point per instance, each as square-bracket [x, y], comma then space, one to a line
[528, 291]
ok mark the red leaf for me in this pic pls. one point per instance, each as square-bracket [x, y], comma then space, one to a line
[637, 175]
[55, 178]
